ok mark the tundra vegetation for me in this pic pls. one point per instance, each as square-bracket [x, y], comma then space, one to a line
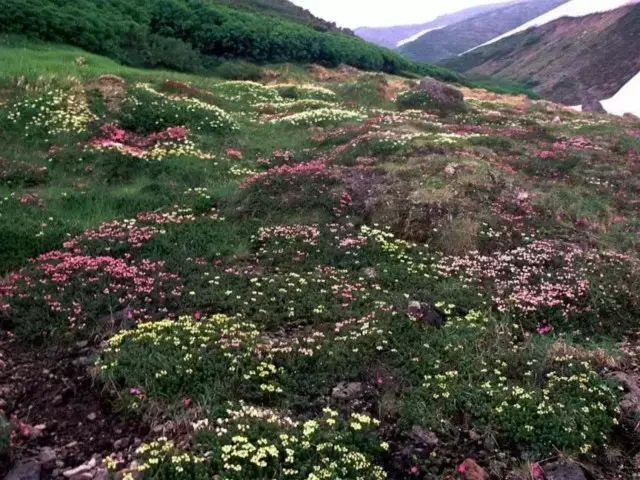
[298, 278]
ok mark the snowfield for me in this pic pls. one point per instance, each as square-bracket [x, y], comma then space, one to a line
[416, 36]
[574, 8]
[627, 100]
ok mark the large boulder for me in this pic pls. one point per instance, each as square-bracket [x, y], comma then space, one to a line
[112, 88]
[593, 106]
[440, 97]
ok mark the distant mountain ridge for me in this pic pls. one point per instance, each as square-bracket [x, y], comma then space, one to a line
[572, 60]
[471, 32]
[390, 37]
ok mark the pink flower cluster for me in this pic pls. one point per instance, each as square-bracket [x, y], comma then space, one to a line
[77, 287]
[112, 136]
[345, 201]
[315, 168]
[308, 234]
[541, 275]
[117, 233]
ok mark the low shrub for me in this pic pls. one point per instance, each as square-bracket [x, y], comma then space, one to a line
[146, 111]
[214, 357]
[251, 442]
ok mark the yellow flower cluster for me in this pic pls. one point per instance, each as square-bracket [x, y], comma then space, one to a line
[54, 112]
[319, 117]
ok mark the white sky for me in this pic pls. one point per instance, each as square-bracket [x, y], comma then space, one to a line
[376, 13]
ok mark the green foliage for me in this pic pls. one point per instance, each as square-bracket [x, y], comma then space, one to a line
[181, 33]
[238, 70]
[262, 444]
[537, 405]
[146, 110]
[213, 359]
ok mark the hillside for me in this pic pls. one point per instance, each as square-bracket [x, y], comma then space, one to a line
[321, 275]
[570, 60]
[390, 37]
[285, 9]
[191, 35]
[469, 33]
[572, 8]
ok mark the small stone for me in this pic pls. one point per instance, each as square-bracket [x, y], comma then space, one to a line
[77, 471]
[121, 444]
[83, 476]
[426, 313]
[474, 436]
[92, 416]
[424, 437]
[556, 120]
[472, 471]
[82, 344]
[48, 458]
[563, 471]
[83, 362]
[347, 391]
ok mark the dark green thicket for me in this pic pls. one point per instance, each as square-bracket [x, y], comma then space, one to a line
[183, 34]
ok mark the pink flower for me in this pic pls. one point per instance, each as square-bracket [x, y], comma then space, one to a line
[544, 329]
[536, 472]
[413, 470]
[135, 391]
[461, 469]
[233, 153]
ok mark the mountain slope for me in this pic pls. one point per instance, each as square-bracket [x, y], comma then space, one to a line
[570, 60]
[572, 8]
[391, 37]
[190, 34]
[459, 37]
[288, 10]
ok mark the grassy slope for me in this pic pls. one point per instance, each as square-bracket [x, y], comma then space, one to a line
[495, 179]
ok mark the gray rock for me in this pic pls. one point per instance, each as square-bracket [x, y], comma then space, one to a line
[593, 106]
[631, 116]
[74, 472]
[443, 97]
[121, 443]
[25, 471]
[347, 391]
[48, 458]
[426, 313]
[563, 471]
[424, 437]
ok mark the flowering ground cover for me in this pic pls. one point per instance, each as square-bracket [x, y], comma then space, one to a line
[308, 280]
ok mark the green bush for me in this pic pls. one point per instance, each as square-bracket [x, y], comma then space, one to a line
[238, 71]
[174, 33]
[213, 358]
[256, 443]
[146, 110]
[535, 403]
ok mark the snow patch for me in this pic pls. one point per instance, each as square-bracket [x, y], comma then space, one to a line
[416, 36]
[573, 8]
[627, 100]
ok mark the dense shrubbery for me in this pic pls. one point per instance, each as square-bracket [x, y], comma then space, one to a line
[177, 33]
